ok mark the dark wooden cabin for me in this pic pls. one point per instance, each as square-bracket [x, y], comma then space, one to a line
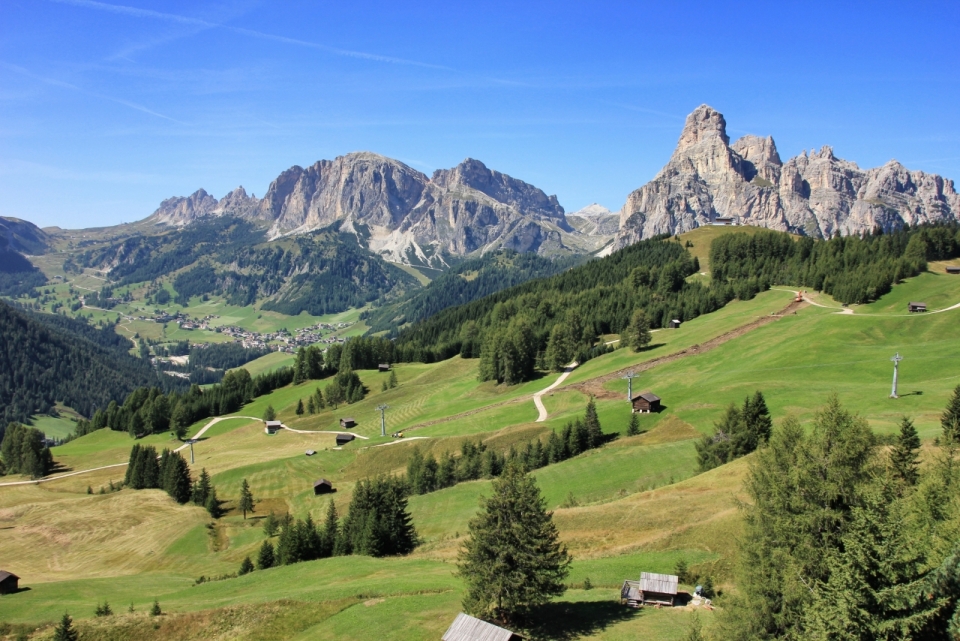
[323, 486]
[272, 427]
[468, 628]
[674, 324]
[343, 439]
[384, 367]
[953, 269]
[916, 307]
[9, 582]
[646, 402]
[347, 423]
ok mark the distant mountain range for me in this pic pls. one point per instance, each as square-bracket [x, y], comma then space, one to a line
[814, 194]
[399, 212]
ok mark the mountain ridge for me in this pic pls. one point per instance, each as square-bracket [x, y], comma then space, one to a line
[814, 194]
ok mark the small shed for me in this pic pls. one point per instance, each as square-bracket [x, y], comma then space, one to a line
[953, 269]
[273, 427]
[9, 582]
[658, 588]
[724, 220]
[646, 403]
[310, 452]
[347, 423]
[384, 367]
[322, 486]
[674, 324]
[916, 307]
[468, 628]
[343, 439]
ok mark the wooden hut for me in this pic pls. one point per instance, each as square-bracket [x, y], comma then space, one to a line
[323, 486]
[674, 324]
[383, 367]
[343, 439]
[9, 582]
[347, 423]
[658, 588]
[272, 427]
[468, 628]
[953, 269]
[646, 403]
[916, 307]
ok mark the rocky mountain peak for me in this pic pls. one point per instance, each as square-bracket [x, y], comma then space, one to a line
[815, 194]
[705, 124]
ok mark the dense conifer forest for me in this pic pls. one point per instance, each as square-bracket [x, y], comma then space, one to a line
[18, 276]
[47, 359]
[852, 269]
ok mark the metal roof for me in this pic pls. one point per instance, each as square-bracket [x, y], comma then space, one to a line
[4, 575]
[274, 424]
[467, 628]
[918, 304]
[322, 482]
[662, 583]
[648, 396]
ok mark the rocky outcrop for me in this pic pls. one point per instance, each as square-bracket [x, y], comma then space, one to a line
[395, 209]
[595, 220]
[179, 211]
[815, 194]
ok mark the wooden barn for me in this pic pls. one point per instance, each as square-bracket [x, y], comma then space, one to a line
[347, 423]
[9, 582]
[953, 269]
[646, 403]
[468, 628]
[272, 427]
[656, 589]
[343, 439]
[323, 486]
[383, 367]
[674, 324]
[916, 307]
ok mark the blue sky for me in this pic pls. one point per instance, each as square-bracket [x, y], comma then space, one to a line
[106, 108]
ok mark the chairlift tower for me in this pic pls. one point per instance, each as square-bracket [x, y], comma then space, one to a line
[191, 442]
[383, 422]
[630, 376]
[896, 366]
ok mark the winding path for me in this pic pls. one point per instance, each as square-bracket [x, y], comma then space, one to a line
[537, 398]
[290, 429]
[848, 311]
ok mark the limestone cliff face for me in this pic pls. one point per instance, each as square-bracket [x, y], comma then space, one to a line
[814, 194]
[179, 211]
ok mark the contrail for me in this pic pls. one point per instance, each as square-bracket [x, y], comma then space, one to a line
[67, 85]
[172, 17]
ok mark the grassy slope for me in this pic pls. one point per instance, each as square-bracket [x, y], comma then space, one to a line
[621, 525]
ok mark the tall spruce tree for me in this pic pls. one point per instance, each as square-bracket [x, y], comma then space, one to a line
[330, 531]
[513, 559]
[246, 499]
[592, 423]
[265, 558]
[65, 630]
[803, 489]
[903, 457]
[950, 419]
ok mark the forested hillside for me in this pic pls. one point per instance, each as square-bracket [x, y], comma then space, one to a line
[17, 275]
[509, 330]
[852, 269]
[466, 282]
[46, 359]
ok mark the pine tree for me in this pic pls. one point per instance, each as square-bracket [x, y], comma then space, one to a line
[246, 566]
[269, 414]
[331, 527]
[246, 499]
[513, 559]
[637, 333]
[633, 427]
[270, 525]
[903, 457]
[950, 420]
[265, 558]
[300, 407]
[393, 379]
[65, 631]
[202, 489]
[311, 406]
[592, 423]
[212, 504]
[155, 610]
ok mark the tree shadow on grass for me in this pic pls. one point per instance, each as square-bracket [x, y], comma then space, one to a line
[567, 620]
